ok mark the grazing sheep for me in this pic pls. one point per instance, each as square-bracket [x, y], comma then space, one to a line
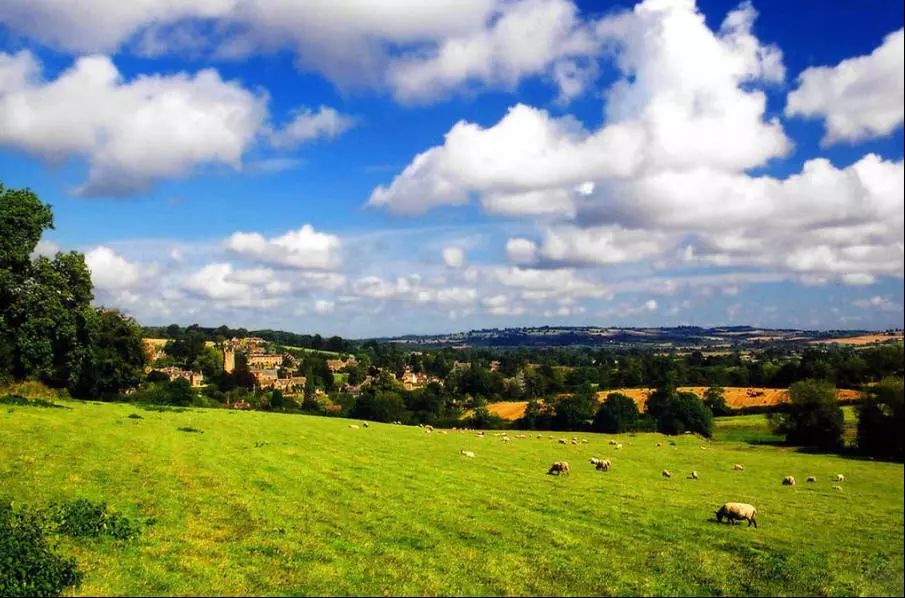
[604, 465]
[584, 441]
[594, 460]
[574, 442]
[562, 441]
[739, 467]
[839, 478]
[666, 473]
[788, 481]
[612, 442]
[429, 428]
[559, 468]
[365, 424]
[353, 426]
[506, 439]
[811, 478]
[540, 436]
[837, 488]
[733, 511]
[618, 446]
[694, 475]
[467, 453]
[659, 445]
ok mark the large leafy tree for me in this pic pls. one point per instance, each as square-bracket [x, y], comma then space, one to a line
[48, 329]
[618, 414]
[813, 417]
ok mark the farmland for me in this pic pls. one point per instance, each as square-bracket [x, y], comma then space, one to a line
[736, 397]
[267, 503]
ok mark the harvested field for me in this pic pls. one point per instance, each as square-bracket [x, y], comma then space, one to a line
[862, 340]
[737, 397]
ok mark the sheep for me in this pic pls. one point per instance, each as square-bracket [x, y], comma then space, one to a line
[562, 441]
[659, 445]
[839, 478]
[584, 440]
[559, 468]
[353, 426]
[540, 436]
[733, 511]
[837, 488]
[365, 424]
[506, 439]
[788, 481]
[574, 441]
[595, 460]
[693, 476]
[666, 474]
[467, 453]
[429, 428]
[612, 442]
[604, 465]
[811, 478]
[618, 446]
[739, 467]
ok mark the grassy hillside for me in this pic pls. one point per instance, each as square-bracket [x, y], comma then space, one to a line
[277, 504]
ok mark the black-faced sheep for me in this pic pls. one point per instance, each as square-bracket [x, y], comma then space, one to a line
[839, 478]
[733, 511]
[559, 467]
[811, 479]
[788, 481]
[693, 476]
[666, 473]
[604, 465]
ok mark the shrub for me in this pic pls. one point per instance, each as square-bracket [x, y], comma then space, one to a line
[82, 518]
[618, 414]
[881, 420]
[678, 412]
[812, 418]
[21, 401]
[716, 401]
[28, 564]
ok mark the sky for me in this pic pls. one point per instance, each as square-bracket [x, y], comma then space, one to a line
[406, 167]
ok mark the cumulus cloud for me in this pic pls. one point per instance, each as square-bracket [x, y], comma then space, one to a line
[131, 132]
[307, 125]
[224, 284]
[879, 303]
[304, 248]
[112, 272]
[454, 257]
[859, 98]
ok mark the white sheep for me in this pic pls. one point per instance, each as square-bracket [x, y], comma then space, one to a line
[811, 478]
[788, 481]
[839, 478]
[467, 453]
[737, 510]
[666, 473]
[353, 426]
[837, 488]
[739, 467]
[694, 475]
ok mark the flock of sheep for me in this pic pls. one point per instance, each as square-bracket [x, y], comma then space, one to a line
[731, 511]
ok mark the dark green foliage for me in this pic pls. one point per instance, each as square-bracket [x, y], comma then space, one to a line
[677, 412]
[812, 418]
[881, 420]
[575, 412]
[163, 408]
[28, 564]
[716, 401]
[48, 329]
[21, 401]
[618, 414]
[177, 392]
[82, 518]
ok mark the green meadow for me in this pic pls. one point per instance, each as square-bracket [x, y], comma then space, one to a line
[261, 503]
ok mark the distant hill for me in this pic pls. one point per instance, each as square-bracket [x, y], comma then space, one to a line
[679, 337]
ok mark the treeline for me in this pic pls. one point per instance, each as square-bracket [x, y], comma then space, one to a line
[333, 344]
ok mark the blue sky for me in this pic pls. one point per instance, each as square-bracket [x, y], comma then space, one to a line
[412, 168]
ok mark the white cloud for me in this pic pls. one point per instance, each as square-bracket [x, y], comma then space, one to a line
[878, 303]
[600, 245]
[112, 272]
[304, 248]
[46, 249]
[454, 257]
[521, 251]
[650, 305]
[526, 38]
[223, 284]
[131, 132]
[860, 97]
[307, 125]
[324, 307]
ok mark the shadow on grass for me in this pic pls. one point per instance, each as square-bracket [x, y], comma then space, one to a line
[20, 401]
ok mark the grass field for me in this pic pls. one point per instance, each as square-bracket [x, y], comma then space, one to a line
[280, 504]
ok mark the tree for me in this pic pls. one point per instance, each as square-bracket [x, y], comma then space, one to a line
[716, 400]
[575, 412]
[114, 359]
[678, 412]
[813, 417]
[618, 414]
[881, 420]
[309, 399]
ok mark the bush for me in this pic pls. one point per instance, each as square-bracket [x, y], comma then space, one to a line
[812, 418]
[716, 401]
[679, 412]
[83, 518]
[28, 564]
[618, 414]
[881, 420]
